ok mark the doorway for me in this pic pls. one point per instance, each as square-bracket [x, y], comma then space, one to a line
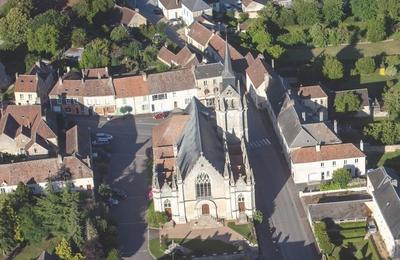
[205, 209]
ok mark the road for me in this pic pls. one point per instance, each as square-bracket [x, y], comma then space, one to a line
[127, 171]
[289, 235]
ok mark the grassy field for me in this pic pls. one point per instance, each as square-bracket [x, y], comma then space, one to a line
[349, 242]
[244, 230]
[391, 160]
[348, 52]
[199, 247]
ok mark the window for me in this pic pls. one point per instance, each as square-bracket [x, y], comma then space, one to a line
[159, 96]
[67, 110]
[345, 162]
[203, 186]
[34, 150]
[2, 190]
[29, 96]
[322, 164]
[334, 163]
[214, 81]
[173, 94]
[321, 101]
[205, 83]
[67, 101]
[328, 174]
[167, 204]
[21, 96]
[322, 176]
[145, 107]
[356, 160]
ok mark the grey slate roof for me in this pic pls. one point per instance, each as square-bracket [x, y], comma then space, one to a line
[210, 70]
[199, 138]
[339, 211]
[386, 194]
[195, 5]
[321, 133]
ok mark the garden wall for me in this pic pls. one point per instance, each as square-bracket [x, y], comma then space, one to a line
[382, 148]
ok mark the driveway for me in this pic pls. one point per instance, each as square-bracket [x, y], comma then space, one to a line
[127, 171]
[285, 233]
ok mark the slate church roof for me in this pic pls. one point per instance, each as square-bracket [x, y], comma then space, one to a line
[200, 138]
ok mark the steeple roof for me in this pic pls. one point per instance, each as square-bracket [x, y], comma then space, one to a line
[228, 71]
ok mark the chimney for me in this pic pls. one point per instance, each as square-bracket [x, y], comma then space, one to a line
[98, 75]
[318, 148]
[60, 81]
[37, 76]
[175, 150]
[303, 115]
[16, 75]
[59, 159]
[321, 116]
[106, 70]
[144, 75]
[68, 69]
[273, 63]
[335, 126]
[361, 145]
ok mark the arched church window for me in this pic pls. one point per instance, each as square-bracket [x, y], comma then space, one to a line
[203, 186]
[167, 204]
[240, 198]
[167, 208]
[206, 91]
[241, 204]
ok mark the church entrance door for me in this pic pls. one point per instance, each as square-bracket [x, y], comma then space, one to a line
[241, 206]
[205, 209]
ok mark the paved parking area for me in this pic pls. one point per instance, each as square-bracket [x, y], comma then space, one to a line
[127, 171]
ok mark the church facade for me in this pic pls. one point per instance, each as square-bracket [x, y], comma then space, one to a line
[201, 166]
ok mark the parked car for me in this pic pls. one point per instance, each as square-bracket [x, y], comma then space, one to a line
[371, 226]
[119, 194]
[113, 202]
[101, 142]
[104, 135]
[160, 115]
[175, 21]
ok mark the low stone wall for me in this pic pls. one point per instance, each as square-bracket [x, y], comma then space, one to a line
[382, 148]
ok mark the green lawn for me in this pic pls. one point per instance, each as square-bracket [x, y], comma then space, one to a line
[244, 230]
[349, 242]
[350, 52]
[199, 247]
[34, 250]
[391, 160]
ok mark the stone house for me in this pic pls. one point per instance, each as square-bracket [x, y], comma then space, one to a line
[383, 185]
[198, 36]
[185, 58]
[172, 9]
[208, 80]
[128, 17]
[23, 130]
[252, 7]
[315, 98]
[36, 174]
[194, 8]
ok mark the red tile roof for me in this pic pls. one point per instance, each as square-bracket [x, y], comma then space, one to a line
[83, 88]
[326, 153]
[169, 131]
[314, 91]
[131, 86]
[199, 33]
[257, 71]
[26, 83]
[182, 58]
[218, 44]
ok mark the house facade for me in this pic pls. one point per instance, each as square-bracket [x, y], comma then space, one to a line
[172, 9]
[257, 81]
[201, 167]
[383, 185]
[194, 8]
[208, 80]
[252, 7]
[36, 174]
[128, 17]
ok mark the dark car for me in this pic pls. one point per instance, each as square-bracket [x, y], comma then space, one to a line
[101, 142]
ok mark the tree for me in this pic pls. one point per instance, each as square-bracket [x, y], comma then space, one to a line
[26, 6]
[78, 37]
[64, 252]
[286, 17]
[150, 55]
[105, 190]
[50, 17]
[119, 34]
[332, 68]
[30, 225]
[259, 35]
[126, 109]
[7, 229]
[307, 12]
[113, 255]
[333, 11]
[13, 29]
[347, 102]
[364, 9]
[391, 98]
[44, 39]
[318, 35]
[365, 65]
[342, 177]
[376, 30]
[258, 216]
[275, 51]
[133, 50]
[96, 54]
[386, 132]
[89, 9]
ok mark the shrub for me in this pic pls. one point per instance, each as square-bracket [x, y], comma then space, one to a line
[154, 218]
[365, 65]
[376, 30]
[347, 102]
[391, 71]
[342, 177]
[113, 255]
[258, 216]
[332, 68]
[322, 237]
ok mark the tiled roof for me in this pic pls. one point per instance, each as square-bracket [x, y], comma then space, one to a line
[199, 33]
[77, 141]
[314, 91]
[321, 133]
[39, 171]
[95, 73]
[175, 80]
[248, 2]
[26, 83]
[169, 131]
[257, 72]
[210, 70]
[131, 86]
[195, 5]
[124, 14]
[182, 58]
[326, 153]
[83, 88]
[218, 44]
[171, 4]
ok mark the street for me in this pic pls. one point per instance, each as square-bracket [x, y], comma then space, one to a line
[289, 235]
[127, 171]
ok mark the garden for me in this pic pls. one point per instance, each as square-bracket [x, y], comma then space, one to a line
[345, 240]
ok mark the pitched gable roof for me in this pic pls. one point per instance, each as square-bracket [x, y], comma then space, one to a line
[131, 86]
[257, 72]
[171, 4]
[168, 132]
[209, 70]
[124, 14]
[83, 88]
[195, 5]
[183, 58]
[26, 83]
[314, 91]
[199, 33]
[175, 80]
[77, 141]
[326, 153]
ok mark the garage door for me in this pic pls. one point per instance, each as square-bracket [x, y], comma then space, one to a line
[314, 177]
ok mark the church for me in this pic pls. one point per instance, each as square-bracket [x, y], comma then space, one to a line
[201, 168]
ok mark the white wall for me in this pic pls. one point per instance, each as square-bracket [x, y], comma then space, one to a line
[26, 98]
[182, 99]
[302, 171]
[139, 105]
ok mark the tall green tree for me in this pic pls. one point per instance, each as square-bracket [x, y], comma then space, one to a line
[386, 132]
[13, 29]
[365, 65]
[78, 37]
[332, 68]
[347, 102]
[119, 33]
[51, 17]
[376, 30]
[318, 35]
[89, 9]
[307, 12]
[21, 197]
[44, 39]
[259, 34]
[26, 6]
[391, 98]
[364, 9]
[342, 177]
[333, 11]
[96, 54]
[31, 227]
[7, 229]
